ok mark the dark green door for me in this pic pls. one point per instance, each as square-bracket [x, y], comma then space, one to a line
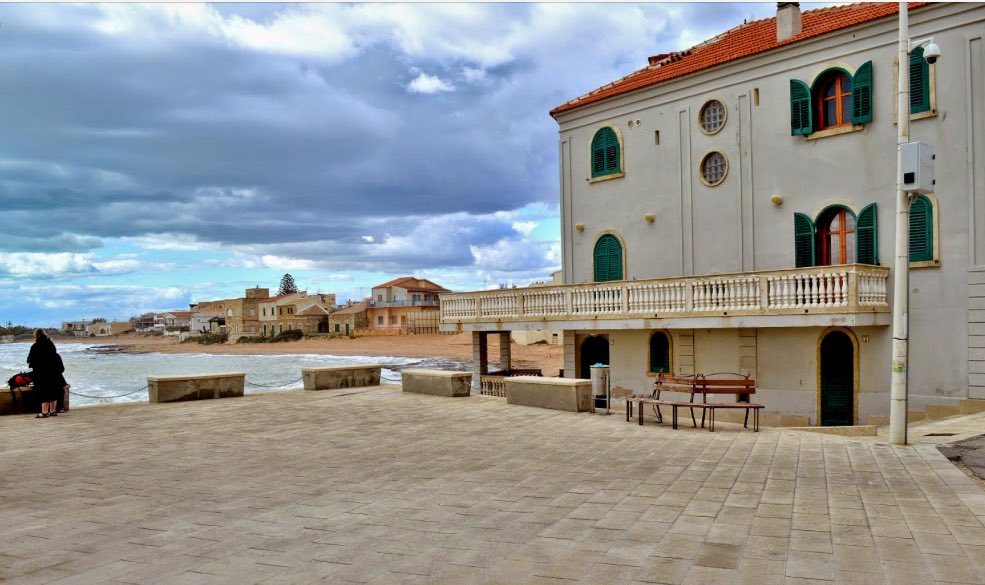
[594, 350]
[837, 380]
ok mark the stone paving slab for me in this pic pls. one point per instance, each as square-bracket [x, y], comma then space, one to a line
[375, 486]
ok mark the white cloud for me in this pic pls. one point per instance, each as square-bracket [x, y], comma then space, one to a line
[282, 263]
[428, 84]
[369, 239]
[41, 264]
[525, 227]
[118, 266]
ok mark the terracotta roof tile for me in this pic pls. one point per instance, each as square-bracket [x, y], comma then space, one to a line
[742, 41]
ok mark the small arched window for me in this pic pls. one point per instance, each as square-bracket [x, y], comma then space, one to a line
[836, 234]
[605, 153]
[833, 100]
[659, 352]
[921, 230]
[608, 259]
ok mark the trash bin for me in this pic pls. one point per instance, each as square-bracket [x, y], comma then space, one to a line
[600, 385]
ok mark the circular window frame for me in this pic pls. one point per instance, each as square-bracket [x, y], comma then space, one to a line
[701, 168]
[701, 111]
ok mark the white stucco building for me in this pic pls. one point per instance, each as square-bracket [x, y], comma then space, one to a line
[730, 208]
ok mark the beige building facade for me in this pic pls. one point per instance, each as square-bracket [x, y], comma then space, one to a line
[347, 320]
[393, 304]
[730, 209]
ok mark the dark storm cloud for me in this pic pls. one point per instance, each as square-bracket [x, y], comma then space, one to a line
[175, 125]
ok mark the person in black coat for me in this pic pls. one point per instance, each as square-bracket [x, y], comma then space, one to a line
[48, 368]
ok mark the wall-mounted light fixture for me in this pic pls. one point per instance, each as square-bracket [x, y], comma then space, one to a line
[649, 217]
[580, 227]
[776, 200]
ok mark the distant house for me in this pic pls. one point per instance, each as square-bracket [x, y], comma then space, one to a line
[148, 321]
[243, 315]
[77, 328]
[100, 329]
[177, 319]
[393, 303]
[207, 317]
[346, 320]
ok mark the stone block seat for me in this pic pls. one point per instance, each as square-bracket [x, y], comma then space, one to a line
[197, 387]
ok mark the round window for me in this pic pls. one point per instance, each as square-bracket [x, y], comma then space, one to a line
[712, 116]
[714, 166]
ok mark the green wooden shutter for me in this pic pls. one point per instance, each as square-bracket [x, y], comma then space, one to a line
[919, 82]
[862, 94]
[801, 118]
[605, 152]
[608, 259]
[867, 236]
[921, 230]
[803, 240]
[659, 353]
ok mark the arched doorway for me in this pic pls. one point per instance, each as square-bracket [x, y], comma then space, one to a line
[594, 350]
[837, 374]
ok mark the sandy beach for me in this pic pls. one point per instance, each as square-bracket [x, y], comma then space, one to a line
[548, 358]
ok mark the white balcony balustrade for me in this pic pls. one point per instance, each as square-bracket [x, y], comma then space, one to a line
[853, 289]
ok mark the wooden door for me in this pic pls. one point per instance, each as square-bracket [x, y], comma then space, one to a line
[837, 380]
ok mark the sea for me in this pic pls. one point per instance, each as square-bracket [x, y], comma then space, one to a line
[101, 374]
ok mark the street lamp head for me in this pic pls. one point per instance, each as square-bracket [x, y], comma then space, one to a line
[932, 53]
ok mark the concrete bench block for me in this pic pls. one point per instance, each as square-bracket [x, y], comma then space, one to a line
[569, 394]
[335, 377]
[436, 382]
[20, 401]
[202, 387]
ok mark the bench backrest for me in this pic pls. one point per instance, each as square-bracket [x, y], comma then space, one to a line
[701, 385]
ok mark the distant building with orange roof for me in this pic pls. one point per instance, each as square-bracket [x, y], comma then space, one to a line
[391, 303]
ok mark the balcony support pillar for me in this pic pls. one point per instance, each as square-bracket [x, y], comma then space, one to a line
[480, 360]
[504, 351]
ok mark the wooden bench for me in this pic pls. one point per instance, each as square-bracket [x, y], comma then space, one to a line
[701, 385]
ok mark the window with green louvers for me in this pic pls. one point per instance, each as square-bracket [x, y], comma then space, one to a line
[862, 94]
[867, 236]
[921, 230]
[605, 153]
[919, 82]
[608, 259]
[801, 119]
[803, 235]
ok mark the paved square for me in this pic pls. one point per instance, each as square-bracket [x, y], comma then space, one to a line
[373, 486]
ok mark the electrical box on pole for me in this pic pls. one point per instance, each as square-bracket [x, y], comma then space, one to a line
[917, 167]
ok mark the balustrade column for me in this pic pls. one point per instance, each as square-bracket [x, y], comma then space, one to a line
[853, 289]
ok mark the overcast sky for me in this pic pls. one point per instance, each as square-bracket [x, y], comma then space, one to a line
[157, 155]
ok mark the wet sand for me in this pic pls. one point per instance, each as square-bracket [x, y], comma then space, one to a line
[548, 358]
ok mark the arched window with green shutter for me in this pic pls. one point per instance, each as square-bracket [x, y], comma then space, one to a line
[608, 259]
[919, 82]
[867, 236]
[605, 153]
[659, 352]
[801, 119]
[803, 238]
[921, 230]
[862, 94]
